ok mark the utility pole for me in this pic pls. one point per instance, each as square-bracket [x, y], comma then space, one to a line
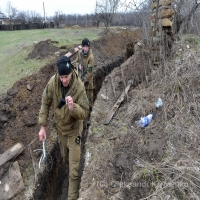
[86, 19]
[44, 12]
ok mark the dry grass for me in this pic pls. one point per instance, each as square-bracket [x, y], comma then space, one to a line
[176, 173]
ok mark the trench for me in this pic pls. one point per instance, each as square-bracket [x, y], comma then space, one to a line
[53, 184]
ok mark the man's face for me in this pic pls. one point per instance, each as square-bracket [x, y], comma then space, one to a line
[85, 49]
[65, 79]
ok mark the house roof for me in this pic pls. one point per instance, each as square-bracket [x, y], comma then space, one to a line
[2, 16]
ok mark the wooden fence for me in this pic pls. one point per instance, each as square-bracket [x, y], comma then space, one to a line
[27, 26]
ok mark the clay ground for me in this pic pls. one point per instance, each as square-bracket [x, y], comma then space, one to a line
[122, 160]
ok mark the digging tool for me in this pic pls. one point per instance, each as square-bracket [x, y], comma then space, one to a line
[118, 102]
[69, 54]
[11, 153]
[76, 49]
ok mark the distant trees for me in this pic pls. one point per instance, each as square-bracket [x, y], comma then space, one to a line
[27, 17]
[21, 17]
[117, 13]
[59, 18]
[34, 17]
[105, 11]
[16, 16]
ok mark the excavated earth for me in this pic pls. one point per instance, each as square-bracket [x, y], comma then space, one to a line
[19, 109]
[120, 160]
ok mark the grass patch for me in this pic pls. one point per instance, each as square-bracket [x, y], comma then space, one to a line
[16, 45]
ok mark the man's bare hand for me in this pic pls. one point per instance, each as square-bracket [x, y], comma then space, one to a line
[69, 102]
[68, 54]
[42, 133]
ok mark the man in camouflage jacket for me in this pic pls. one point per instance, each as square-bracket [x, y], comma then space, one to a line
[85, 61]
[66, 92]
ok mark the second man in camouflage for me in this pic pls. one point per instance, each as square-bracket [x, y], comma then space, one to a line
[85, 67]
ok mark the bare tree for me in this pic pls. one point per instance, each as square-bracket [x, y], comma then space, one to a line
[184, 13]
[96, 19]
[105, 10]
[58, 18]
[140, 11]
[11, 11]
[8, 9]
[21, 17]
[34, 17]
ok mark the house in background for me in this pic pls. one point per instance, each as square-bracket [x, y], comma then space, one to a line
[3, 19]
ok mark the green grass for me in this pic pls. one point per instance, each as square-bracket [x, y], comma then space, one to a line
[16, 45]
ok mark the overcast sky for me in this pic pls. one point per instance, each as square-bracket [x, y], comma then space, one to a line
[51, 6]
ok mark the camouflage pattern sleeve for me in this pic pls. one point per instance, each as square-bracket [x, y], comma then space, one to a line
[81, 107]
[46, 103]
[90, 69]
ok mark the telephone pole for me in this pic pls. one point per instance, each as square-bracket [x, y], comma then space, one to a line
[44, 12]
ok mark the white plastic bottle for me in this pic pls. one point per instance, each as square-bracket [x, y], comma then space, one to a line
[144, 121]
[159, 103]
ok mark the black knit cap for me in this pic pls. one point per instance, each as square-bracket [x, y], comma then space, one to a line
[64, 66]
[85, 42]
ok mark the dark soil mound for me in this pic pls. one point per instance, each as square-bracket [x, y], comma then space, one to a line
[109, 46]
[42, 50]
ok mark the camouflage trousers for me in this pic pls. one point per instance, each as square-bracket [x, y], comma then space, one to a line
[90, 96]
[71, 153]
